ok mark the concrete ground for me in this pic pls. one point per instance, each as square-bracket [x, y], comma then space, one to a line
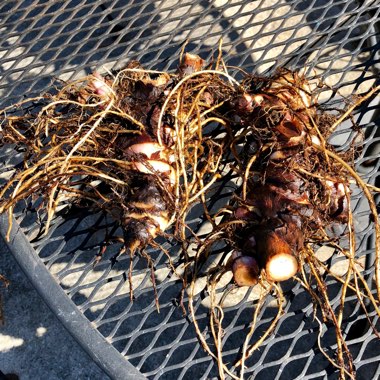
[33, 343]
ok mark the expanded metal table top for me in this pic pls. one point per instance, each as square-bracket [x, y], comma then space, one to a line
[337, 41]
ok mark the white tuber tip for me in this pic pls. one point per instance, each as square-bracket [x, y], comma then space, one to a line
[100, 86]
[282, 267]
[315, 140]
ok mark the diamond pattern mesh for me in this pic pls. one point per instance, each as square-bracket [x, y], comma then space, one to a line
[337, 41]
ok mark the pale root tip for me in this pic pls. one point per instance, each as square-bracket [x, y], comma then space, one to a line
[315, 140]
[248, 98]
[278, 155]
[305, 98]
[100, 86]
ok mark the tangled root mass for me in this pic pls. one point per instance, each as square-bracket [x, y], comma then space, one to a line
[146, 146]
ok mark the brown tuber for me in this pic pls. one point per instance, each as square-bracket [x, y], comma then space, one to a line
[281, 207]
[245, 269]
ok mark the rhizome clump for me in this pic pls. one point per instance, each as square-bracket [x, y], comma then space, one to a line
[146, 146]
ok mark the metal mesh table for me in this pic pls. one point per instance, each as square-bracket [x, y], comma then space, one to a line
[43, 40]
